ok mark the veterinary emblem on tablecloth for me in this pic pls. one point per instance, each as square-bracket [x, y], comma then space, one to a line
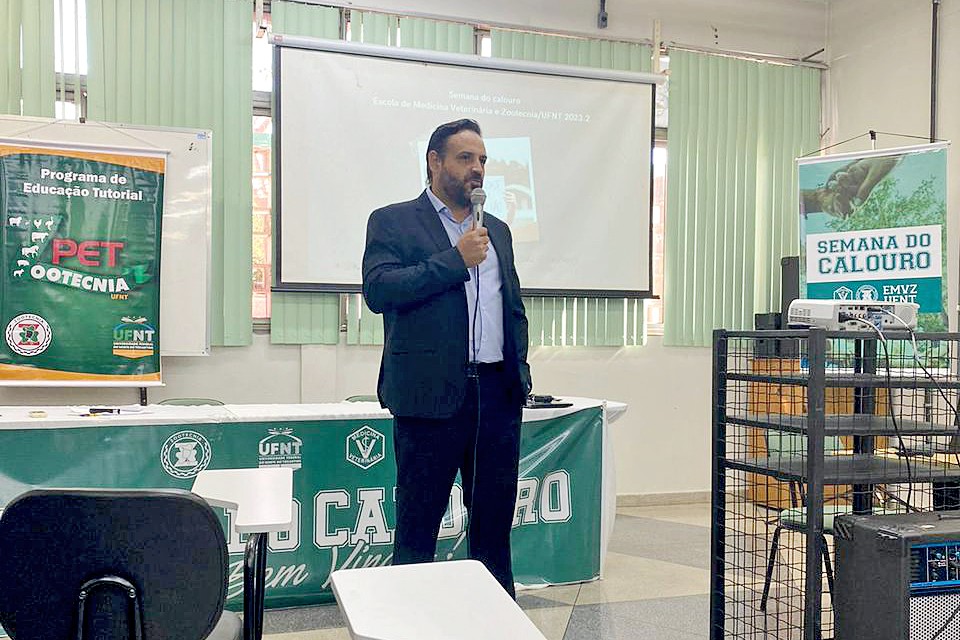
[365, 447]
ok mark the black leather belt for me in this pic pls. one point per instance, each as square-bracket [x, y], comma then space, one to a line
[475, 369]
[490, 367]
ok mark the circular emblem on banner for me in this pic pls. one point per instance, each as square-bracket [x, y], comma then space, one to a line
[28, 334]
[868, 292]
[185, 454]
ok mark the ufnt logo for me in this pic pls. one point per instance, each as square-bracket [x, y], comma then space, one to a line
[134, 338]
[365, 447]
[280, 449]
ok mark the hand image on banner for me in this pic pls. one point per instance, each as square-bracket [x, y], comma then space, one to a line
[848, 186]
[80, 290]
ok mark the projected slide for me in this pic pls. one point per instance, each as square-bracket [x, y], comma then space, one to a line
[568, 164]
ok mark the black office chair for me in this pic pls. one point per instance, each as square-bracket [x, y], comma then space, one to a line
[113, 563]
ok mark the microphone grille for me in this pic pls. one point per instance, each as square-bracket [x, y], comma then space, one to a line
[478, 196]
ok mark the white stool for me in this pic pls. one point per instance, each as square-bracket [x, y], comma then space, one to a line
[455, 600]
[262, 498]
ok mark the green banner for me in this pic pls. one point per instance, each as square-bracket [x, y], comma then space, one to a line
[344, 479]
[873, 227]
[80, 263]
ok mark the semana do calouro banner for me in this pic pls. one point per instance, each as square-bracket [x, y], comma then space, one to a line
[80, 262]
[873, 227]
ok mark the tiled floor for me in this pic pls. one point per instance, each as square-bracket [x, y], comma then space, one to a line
[655, 587]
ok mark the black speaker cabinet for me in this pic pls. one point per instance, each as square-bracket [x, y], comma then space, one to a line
[789, 282]
[773, 347]
[898, 576]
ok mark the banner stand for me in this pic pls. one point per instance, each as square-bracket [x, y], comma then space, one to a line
[80, 264]
[873, 226]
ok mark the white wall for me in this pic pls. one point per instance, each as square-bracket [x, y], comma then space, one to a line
[259, 373]
[879, 78]
[879, 57]
[662, 443]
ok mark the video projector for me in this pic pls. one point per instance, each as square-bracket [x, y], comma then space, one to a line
[850, 315]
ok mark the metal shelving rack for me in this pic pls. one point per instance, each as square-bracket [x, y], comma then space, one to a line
[848, 422]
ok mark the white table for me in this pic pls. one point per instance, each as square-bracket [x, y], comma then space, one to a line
[434, 601]
[262, 499]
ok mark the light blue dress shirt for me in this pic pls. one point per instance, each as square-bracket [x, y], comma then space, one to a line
[488, 325]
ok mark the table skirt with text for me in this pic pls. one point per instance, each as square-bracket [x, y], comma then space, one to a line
[344, 480]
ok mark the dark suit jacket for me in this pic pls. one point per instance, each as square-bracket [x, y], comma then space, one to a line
[415, 278]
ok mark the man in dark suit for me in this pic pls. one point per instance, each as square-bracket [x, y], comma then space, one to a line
[454, 371]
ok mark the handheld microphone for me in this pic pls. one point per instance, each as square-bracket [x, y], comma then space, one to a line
[477, 197]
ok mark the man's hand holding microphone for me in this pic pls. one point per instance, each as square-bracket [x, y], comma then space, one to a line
[474, 243]
[473, 246]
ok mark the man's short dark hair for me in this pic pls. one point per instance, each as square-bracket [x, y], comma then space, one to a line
[438, 139]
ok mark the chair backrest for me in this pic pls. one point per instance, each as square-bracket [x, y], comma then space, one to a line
[782, 444]
[362, 398]
[190, 402]
[167, 542]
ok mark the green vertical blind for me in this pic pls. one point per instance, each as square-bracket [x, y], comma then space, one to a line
[579, 321]
[27, 25]
[435, 35]
[593, 322]
[309, 318]
[554, 322]
[187, 63]
[602, 54]
[298, 19]
[363, 325]
[70, 73]
[373, 28]
[736, 127]
[305, 318]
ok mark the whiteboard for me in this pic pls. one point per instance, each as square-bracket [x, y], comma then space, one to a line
[187, 206]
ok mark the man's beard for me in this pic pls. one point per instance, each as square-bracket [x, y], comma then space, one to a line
[455, 190]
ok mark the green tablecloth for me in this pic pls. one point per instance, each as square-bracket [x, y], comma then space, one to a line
[343, 483]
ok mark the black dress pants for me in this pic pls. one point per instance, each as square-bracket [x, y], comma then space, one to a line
[485, 447]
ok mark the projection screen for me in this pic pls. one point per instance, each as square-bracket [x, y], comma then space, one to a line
[569, 160]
